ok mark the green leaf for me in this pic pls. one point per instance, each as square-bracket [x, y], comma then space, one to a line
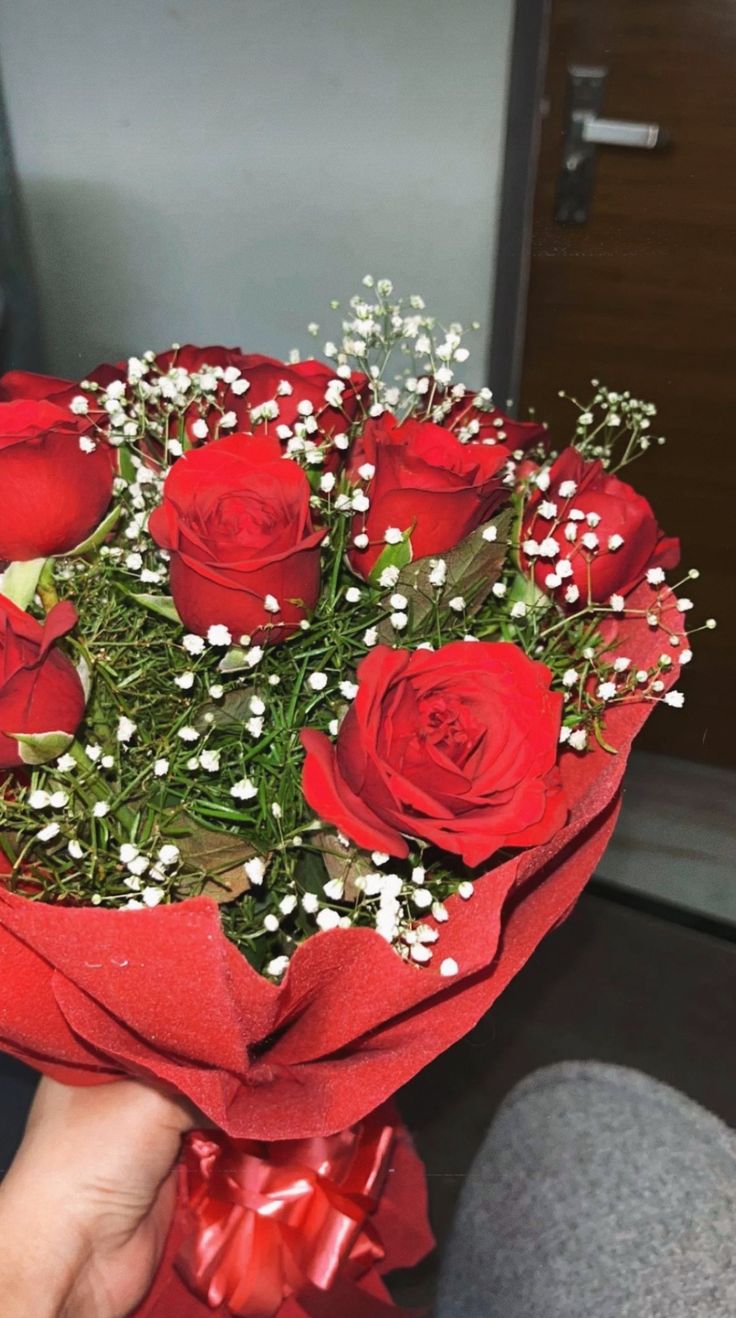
[527, 591]
[398, 555]
[21, 579]
[40, 747]
[310, 870]
[9, 847]
[217, 859]
[233, 661]
[598, 731]
[84, 673]
[98, 535]
[230, 712]
[161, 604]
[125, 463]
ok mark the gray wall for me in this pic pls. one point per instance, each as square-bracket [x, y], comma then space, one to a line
[217, 170]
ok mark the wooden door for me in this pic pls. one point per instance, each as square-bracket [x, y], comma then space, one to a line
[643, 296]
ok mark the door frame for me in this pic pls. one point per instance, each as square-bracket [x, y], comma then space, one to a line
[527, 70]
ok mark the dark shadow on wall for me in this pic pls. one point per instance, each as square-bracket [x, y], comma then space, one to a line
[120, 274]
[20, 337]
[94, 256]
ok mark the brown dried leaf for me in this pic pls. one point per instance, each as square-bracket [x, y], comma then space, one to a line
[220, 858]
[230, 712]
[343, 863]
[475, 564]
[472, 568]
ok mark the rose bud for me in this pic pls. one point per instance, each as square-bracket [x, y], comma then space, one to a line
[489, 425]
[457, 747]
[425, 481]
[40, 690]
[601, 535]
[524, 471]
[288, 390]
[56, 479]
[235, 518]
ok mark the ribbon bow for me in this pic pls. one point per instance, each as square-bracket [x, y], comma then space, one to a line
[269, 1218]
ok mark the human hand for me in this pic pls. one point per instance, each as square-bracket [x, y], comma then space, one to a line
[87, 1204]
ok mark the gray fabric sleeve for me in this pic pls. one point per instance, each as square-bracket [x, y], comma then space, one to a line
[598, 1193]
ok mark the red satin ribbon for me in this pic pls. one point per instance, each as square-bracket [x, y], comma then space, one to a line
[268, 1218]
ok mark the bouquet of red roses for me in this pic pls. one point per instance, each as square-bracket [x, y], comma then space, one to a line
[317, 684]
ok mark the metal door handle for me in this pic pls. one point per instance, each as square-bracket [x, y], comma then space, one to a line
[620, 132]
[586, 129]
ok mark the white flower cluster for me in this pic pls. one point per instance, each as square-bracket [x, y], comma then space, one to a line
[614, 418]
[372, 330]
[141, 406]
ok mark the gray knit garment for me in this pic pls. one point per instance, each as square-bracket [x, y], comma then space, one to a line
[598, 1193]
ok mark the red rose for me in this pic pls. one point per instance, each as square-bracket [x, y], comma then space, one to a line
[26, 385]
[39, 687]
[286, 386]
[188, 357]
[193, 359]
[258, 381]
[492, 426]
[597, 535]
[426, 481]
[54, 491]
[235, 518]
[30, 384]
[457, 747]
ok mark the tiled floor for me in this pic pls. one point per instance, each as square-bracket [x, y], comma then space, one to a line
[611, 983]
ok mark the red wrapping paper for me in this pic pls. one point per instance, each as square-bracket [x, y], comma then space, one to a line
[89, 994]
